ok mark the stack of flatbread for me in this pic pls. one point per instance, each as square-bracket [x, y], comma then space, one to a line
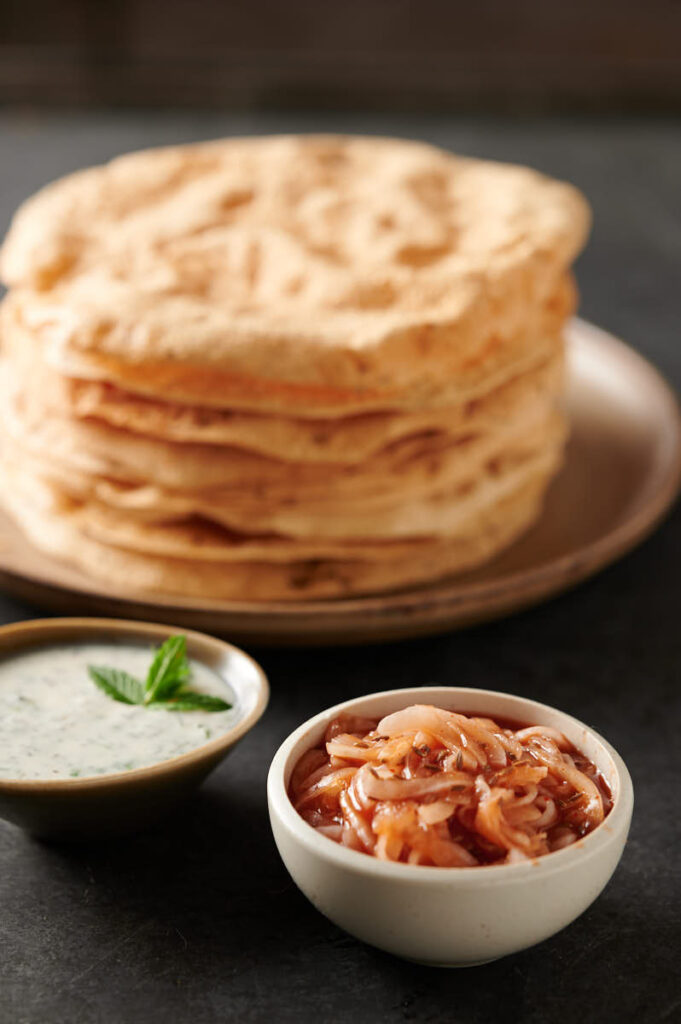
[288, 367]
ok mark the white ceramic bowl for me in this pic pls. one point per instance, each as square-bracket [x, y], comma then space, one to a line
[450, 916]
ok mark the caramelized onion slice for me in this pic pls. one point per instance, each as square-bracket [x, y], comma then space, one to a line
[410, 789]
[547, 753]
[433, 814]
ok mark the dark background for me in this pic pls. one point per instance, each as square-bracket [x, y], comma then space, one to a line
[533, 55]
[198, 922]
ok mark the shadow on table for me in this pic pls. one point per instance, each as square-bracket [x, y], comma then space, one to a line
[207, 895]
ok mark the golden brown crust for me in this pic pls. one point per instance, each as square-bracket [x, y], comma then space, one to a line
[327, 273]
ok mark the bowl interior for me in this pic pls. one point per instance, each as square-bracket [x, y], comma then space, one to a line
[468, 701]
[243, 675]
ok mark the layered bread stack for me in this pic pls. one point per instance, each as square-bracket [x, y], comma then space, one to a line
[282, 368]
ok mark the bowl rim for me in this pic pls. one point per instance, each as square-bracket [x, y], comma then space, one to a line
[612, 830]
[19, 636]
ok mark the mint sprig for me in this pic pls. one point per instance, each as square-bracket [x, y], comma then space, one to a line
[165, 687]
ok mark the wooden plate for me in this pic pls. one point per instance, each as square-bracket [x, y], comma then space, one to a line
[622, 472]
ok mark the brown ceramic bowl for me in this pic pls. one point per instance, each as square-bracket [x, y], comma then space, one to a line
[106, 805]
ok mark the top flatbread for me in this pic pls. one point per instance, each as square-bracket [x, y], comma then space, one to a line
[321, 274]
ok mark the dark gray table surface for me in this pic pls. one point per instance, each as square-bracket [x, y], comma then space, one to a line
[198, 921]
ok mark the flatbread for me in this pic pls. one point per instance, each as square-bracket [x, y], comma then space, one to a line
[324, 275]
[513, 343]
[235, 479]
[61, 535]
[280, 368]
[347, 440]
[382, 517]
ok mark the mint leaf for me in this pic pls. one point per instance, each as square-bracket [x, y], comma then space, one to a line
[188, 700]
[169, 670]
[166, 684]
[117, 684]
